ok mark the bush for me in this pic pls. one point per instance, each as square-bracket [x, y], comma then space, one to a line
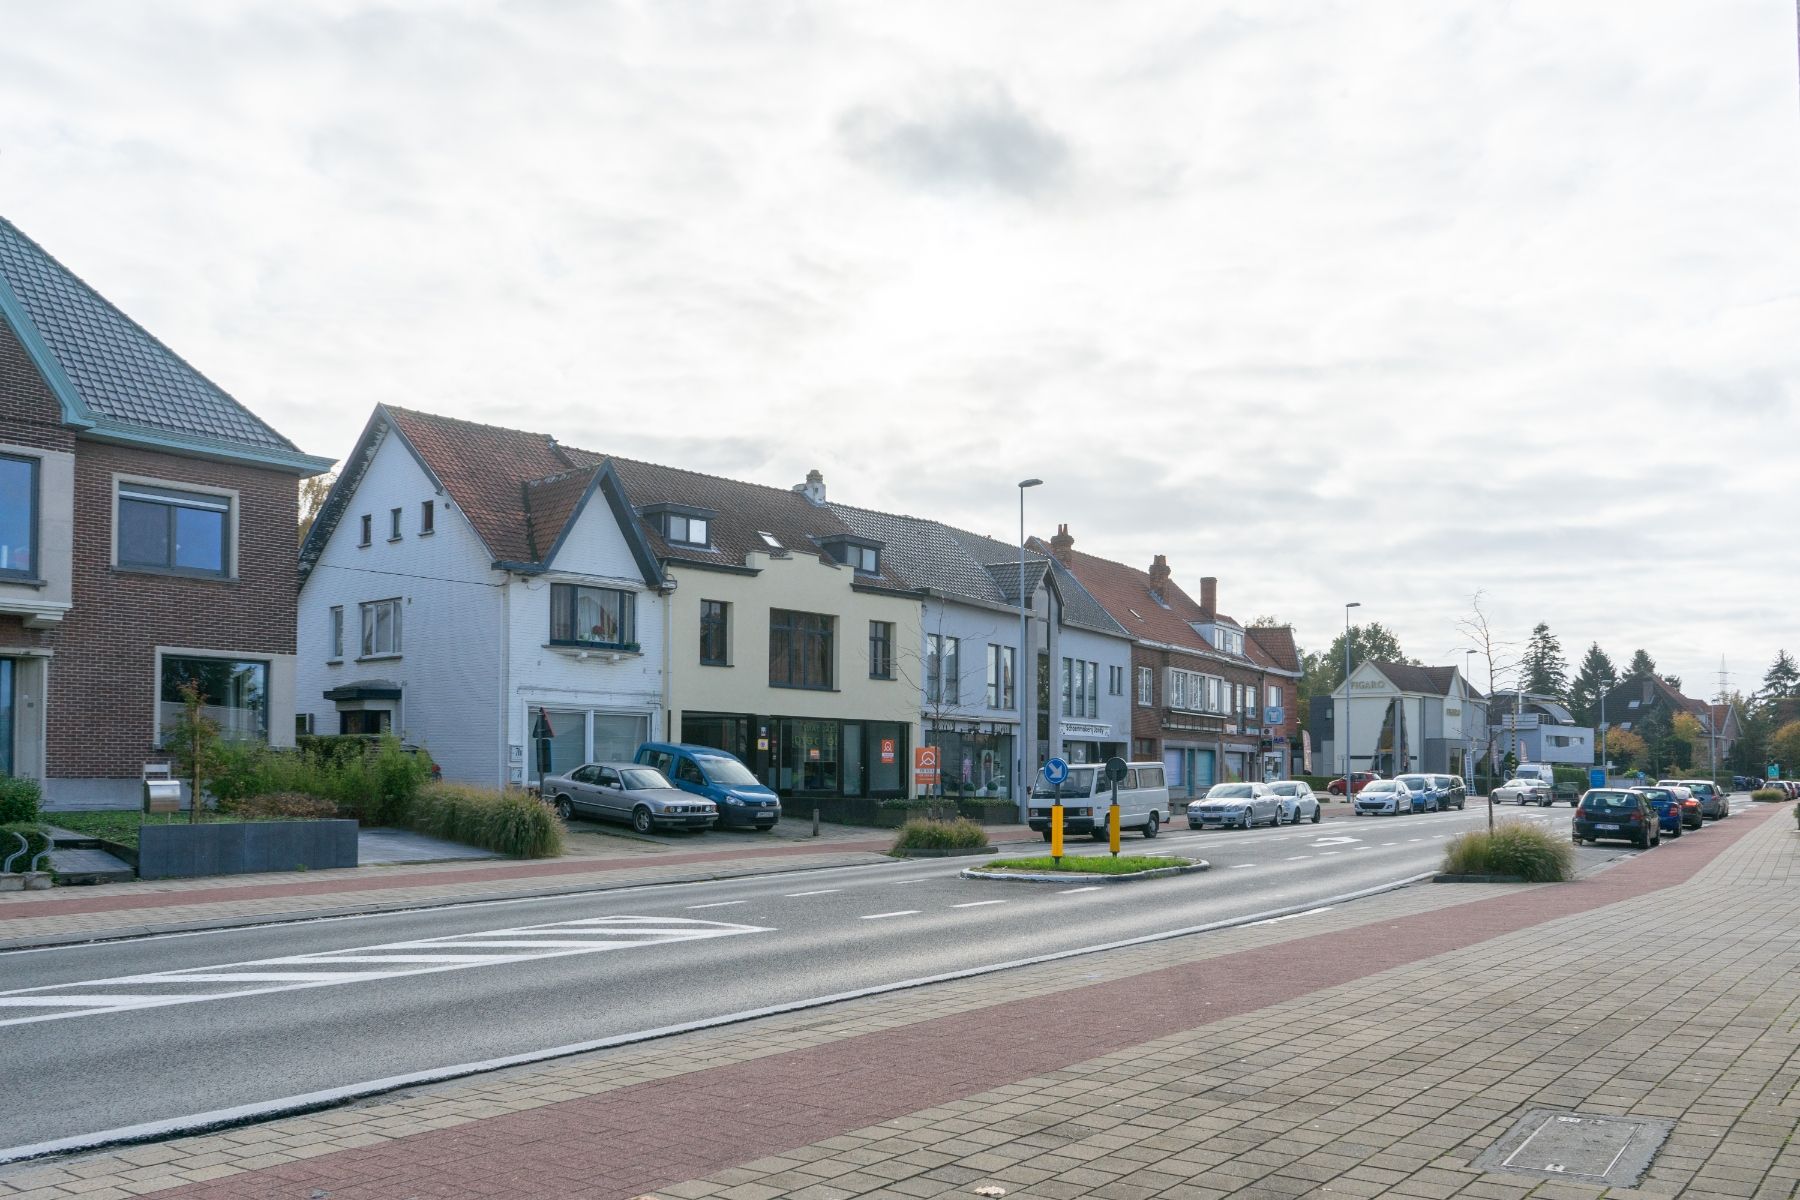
[281, 806]
[374, 781]
[19, 800]
[1515, 848]
[36, 839]
[1575, 775]
[1770, 796]
[959, 834]
[511, 822]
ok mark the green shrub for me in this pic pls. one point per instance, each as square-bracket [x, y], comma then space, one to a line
[37, 841]
[1575, 775]
[1515, 848]
[285, 806]
[958, 834]
[511, 822]
[1770, 796]
[19, 800]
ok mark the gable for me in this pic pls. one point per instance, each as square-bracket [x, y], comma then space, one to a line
[593, 543]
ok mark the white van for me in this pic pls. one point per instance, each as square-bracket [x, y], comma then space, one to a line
[1086, 796]
[1540, 771]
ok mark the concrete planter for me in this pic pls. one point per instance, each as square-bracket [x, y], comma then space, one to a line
[38, 881]
[11, 881]
[244, 847]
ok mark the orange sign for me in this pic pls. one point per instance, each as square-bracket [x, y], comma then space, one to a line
[925, 766]
[887, 751]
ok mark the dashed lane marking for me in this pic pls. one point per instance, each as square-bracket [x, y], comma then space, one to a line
[388, 960]
[1296, 858]
[1239, 866]
[820, 892]
[977, 903]
[718, 904]
[905, 912]
[1071, 891]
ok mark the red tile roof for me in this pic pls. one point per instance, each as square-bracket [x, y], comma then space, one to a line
[1125, 593]
[1276, 643]
[485, 469]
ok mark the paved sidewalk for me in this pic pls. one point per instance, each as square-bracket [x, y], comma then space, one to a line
[1374, 1049]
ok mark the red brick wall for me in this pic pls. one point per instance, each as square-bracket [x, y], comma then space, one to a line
[102, 683]
[29, 416]
[1147, 722]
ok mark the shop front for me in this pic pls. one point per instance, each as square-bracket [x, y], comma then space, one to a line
[811, 756]
[562, 738]
[1189, 769]
[976, 758]
[1090, 742]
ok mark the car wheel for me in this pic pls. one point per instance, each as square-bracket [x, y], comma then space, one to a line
[1046, 834]
[1150, 827]
[1677, 832]
[564, 809]
[640, 819]
[1317, 813]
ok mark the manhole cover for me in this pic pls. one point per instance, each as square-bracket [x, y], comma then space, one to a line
[1565, 1145]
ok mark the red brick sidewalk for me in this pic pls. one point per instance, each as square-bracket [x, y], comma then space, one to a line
[629, 1141]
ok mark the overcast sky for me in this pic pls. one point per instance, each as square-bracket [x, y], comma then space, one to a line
[1335, 301]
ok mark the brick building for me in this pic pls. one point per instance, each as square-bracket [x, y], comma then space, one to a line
[147, 527]
[1209, 698]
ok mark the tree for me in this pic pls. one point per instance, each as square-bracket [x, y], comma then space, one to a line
[1373, 642]
[1673, 681]
[312, 498]
[1686, 730]
[1595, 677]
[1625, 748]
[194, 741]
[1546, 672]
[1782, 679]
[1642, 666]
[1784, 748]
[1496, 654]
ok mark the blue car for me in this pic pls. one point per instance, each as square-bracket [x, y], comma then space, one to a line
[718, 775]
[1668, 808]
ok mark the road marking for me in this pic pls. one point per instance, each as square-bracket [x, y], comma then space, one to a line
[1092, 887]
[1296, 858]
[1411, 840]
[389, 960]
[920, 879]
[717, 904]
[1329, 853]
[820, 892]
[1311, 912]
[977, 903]
[905, 912]
[1239, 866]
[1336, 841]
[1390, 843]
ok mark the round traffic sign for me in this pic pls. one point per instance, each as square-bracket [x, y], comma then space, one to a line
[1056, 771]
[1115, 769]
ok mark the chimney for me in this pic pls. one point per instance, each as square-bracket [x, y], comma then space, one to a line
[1159, 576]
[1209, 597]
[813, 489]
[1063, 547]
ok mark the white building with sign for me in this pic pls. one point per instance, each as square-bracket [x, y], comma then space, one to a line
[1404, 718]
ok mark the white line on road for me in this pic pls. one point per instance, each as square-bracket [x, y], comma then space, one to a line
[1093, 887]
[1296, 858]
[905, 912]
[1239, 866]
[820, 892]
[717, 904]
[977, 903]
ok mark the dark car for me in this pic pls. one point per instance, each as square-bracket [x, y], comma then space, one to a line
[1714, 804]
[1452, 792]
[1617, 815]
[640, 795]
[1671, 810]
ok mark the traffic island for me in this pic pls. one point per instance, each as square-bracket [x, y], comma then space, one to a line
[1127, 868]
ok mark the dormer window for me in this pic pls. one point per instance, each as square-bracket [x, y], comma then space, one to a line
[681, 525]
[1224, 638]
[861, 555]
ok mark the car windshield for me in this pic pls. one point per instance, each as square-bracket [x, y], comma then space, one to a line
[642, 779]
[1229, 791]
[727, 772]
[1620, 800]
[1285, 789]
[1657, 795]
[1383, 785]
[1415, 781]
[1079, 783]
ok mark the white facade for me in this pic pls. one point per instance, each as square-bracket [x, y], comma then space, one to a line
[1426, 731]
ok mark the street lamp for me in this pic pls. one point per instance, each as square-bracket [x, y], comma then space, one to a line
[1349, 779]
[1023, 792]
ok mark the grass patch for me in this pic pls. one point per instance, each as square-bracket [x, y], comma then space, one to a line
[958, 834]
[1768, 795]
[1125, 864]
[1515, 848]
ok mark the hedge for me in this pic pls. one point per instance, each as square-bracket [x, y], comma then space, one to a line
[1515, 848]
[375, 781]
[959, 834]
[19, 800]
[1769, 796]
[511, 822]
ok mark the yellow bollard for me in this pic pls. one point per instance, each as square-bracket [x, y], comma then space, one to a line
[1056, 832]
[1112, 828]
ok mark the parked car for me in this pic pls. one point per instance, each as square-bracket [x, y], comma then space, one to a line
[639, 795]
[1383, 797]
[1240, 804]
[1670, 814]
[1362, 779]
[1297, 801]
[1422, 790]
[1691, 814]
[1523, 791]
[1745, 783]
[718, 776]
[1619, 815]
[1087, 796]
[1452, 791]
[1714, 804]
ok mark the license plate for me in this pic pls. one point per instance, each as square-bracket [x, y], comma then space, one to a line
[1606, 827]
[767, 812]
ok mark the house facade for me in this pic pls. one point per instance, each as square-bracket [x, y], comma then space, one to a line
[1207, 700]
[1405, 718]
[1538, 729]
[147, 524]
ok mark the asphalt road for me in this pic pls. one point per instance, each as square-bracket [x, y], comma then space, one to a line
[179, 1029]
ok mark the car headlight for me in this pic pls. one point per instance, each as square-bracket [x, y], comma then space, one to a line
[733, 800]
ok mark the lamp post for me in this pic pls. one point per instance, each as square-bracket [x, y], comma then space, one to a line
[1349, 779]
[1023, 792]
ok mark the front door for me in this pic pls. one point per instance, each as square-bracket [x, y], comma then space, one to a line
[8, 676]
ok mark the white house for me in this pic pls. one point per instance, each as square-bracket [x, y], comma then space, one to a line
[1406, 718]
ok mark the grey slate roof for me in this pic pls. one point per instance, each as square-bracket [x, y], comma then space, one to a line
[926, 552]
[1079, 605]
[1433, 681]
[118, 369]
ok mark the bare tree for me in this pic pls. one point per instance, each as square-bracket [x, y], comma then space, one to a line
[1501, 657]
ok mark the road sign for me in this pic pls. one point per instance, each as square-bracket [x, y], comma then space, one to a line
[1596, 776]
[1115, 769]
[1056, 771]
[1774, 770]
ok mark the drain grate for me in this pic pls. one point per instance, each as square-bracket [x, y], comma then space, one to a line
[1566, 1145]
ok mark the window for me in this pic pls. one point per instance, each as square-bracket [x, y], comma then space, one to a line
[427, 517]
[1145, 685]
[337, 631]
[393, 524]
[865, 559]
[1115, 681]
[1080, 688]
[1274, 696]
[881, 649]
[1093, 689]
[771, 541]
[688, 530]
[18, 516]
[380, 628]
[943, 678]
[1194, 692]
[592, 616]
[801, 653]
[368, 722]
[368, 526]
[166, 530]
[715, 631]
[1230, 640]
[303, 724]
[234, 695]
[1000, 663]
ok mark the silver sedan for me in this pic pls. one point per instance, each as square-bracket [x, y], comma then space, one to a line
[1239, 804]
[1297, 801]
[1523, 791]
[640, 795]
